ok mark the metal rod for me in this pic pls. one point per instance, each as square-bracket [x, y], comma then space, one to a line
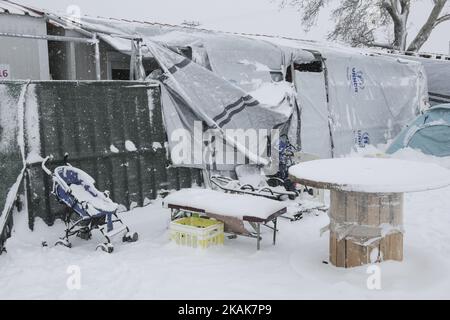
[48, 38]
[258, 234]
[132, 61]
[98, 71]
[140, 64]
[68, 24]
[86, 30]
[275, 222]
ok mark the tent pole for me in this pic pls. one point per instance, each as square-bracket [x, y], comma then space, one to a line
[132, 61]
[98, 72]
[69, 24]
[330, 119]
[47, 38]
[140, 65]
[293, 75]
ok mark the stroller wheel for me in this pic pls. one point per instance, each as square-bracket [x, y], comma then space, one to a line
[64, 243]
[106, 247]
[131, 237]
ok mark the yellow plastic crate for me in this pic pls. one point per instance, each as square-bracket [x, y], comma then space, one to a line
[197, 232]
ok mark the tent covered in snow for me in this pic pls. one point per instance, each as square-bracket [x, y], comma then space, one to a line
[429, 133]
[328, 100]
[438, 72]
[437, 68]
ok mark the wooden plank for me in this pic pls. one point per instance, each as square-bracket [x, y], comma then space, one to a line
[352, 201]
[353, 254]
[358, 255]
[384, 249]
[373, 210]
[396, 203]
[333, 249]
[392, 247]
[338, 205]
[333, 203]
[385, 211]
[341, 253]
[397, 246]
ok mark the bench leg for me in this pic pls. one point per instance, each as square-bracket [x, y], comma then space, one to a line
[175, 213]
[258, 235]
[275, 222]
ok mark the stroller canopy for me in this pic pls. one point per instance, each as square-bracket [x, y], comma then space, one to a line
[82, 188]
[429, 133]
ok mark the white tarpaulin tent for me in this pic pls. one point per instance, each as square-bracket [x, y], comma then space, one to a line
[354, 99]
[438, 72]
[359, 98]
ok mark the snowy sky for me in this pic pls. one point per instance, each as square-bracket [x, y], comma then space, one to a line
[250, 16]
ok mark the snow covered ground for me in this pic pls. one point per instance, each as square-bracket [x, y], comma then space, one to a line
[154, 268]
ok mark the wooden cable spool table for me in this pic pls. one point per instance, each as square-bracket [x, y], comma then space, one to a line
[366, 205]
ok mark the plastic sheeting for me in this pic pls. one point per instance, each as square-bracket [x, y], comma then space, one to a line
[372, 98]
[364, 98]
[312, 95]
[209, 78]
[194, 96]
[438, 72]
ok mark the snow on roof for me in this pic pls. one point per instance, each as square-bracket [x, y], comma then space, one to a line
[8, 7]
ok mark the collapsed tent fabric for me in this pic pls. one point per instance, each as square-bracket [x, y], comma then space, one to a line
[11, 148]
[359, 98]
[226, 83]
[193, 94]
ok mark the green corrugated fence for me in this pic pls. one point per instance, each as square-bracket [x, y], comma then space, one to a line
[113, 130]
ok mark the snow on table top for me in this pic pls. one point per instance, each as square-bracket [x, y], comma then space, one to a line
[224, 204]
[372, 175]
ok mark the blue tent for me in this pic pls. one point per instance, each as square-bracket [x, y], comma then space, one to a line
[429, 133]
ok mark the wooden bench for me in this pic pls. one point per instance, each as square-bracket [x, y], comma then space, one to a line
[233, 210]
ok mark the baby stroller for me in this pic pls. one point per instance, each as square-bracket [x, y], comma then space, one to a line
[93, 209]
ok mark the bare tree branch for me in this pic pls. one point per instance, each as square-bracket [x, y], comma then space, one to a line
[442, 19]
[359, 22]
[428, 27]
